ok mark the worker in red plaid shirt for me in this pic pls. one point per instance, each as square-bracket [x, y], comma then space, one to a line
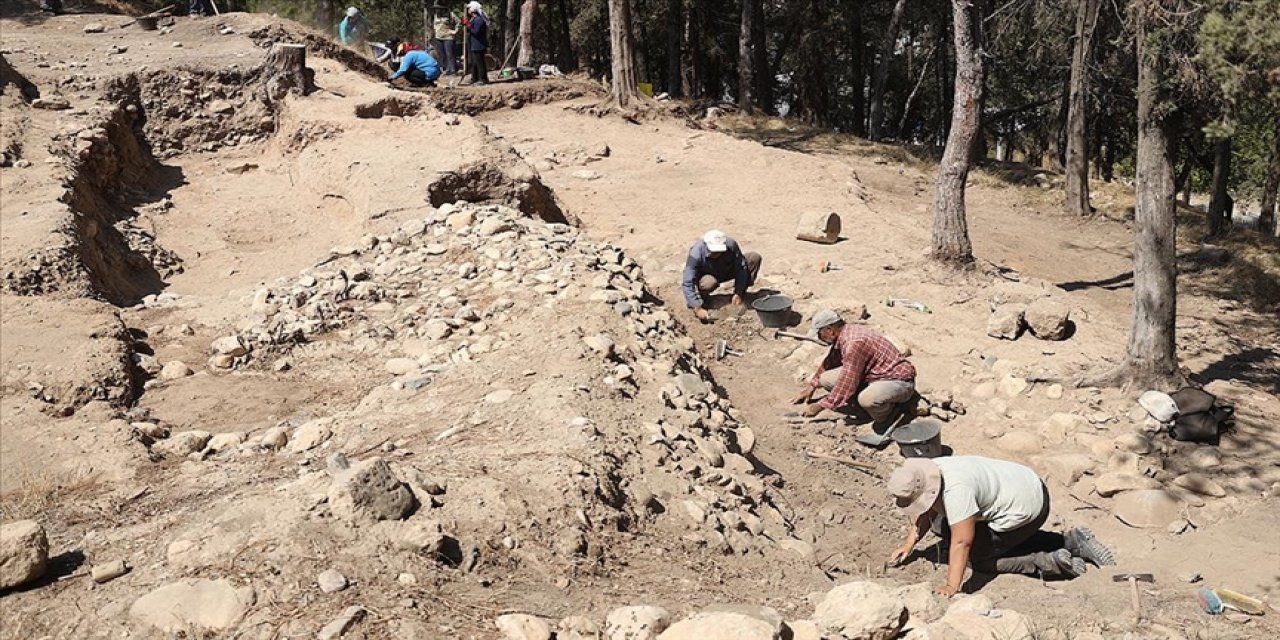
[861, 363]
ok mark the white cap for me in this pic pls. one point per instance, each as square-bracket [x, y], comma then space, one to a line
[716, 241]
[352, 12]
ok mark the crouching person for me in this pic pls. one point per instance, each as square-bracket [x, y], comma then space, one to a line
[990, 512]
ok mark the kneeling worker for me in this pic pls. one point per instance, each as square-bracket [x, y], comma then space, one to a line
[862, 365]
[418, 68]
[990, 511]
[713, 259]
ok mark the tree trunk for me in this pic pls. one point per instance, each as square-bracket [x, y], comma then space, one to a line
[565, 58]
[1058, 130]
[623, 90]
[760, 66]
[858, 101]
[951, 243]
[1220, 200]
[285, 68]
[527, 12]
[1150, 358]
[675, 33]
[1267, 214]
[901, 131]
[1077, 161]
[746, 58]
[695, 65]
[510, 26]
[885, 61]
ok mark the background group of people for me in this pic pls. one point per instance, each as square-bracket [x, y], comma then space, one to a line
[420, 67]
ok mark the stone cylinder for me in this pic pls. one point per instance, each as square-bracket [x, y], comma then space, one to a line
[823, 228]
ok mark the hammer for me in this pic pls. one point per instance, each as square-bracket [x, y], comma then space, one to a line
[779, 333]
[1133, 579]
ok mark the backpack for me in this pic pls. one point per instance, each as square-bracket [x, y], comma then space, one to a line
[1200, 417]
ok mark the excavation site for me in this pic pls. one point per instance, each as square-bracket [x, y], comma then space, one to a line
[290, 352]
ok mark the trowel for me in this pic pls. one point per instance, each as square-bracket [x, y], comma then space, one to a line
[723, 350]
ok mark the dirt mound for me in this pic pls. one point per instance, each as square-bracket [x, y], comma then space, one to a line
[513, 95]
[84, 356]
[501, 177]
[12, 80]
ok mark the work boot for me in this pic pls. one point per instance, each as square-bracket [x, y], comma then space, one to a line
[1069, 566]
[1082, 544]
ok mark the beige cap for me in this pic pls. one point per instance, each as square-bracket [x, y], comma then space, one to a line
[915, 486]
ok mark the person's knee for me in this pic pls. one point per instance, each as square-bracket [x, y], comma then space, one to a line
[707, 284]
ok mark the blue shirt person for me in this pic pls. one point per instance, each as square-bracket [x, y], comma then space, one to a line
[712, 260]
[418, 67]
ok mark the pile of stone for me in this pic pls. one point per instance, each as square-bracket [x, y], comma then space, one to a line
[447, 283]
[1045, 318]
[852, 611]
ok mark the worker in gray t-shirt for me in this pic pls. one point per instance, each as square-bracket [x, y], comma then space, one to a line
[992, 511]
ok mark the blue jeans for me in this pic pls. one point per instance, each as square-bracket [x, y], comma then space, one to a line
[446, 56]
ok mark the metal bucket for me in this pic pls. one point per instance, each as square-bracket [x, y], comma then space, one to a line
[919, 439]
[774, 311]
[147, 23]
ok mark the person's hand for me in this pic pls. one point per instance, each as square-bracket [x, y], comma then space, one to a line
[899, 555]
[946, 591]
[737, 299]
[812, 410]
[701, 314]
[804, 397]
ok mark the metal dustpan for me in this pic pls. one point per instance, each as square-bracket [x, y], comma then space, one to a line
[877, 440]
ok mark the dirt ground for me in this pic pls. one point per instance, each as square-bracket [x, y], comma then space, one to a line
[174, 204]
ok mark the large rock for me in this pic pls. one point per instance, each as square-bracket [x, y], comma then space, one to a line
[1066, 468]
[1147, 508]
[183, 443]
[1019, 442]
[309, 436]
[860, 611]
[211, 605]
[1048, 319]
[1110, 484]
[636, 623]
[1198, 483]
[369, 492]
[1006, 322]
[721, 626]
[974, 618]
[24, 553]
[520, 626]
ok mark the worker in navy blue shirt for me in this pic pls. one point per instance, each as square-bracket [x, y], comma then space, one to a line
[477, 26]
[419, 68]
[715, 259]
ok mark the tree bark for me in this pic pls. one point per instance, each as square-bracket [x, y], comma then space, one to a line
[883, 63]
[1058, 130]
[285, 69]
[1150, 358]
[746, 58]
[528, 11]
[623, 91]
[1267, 213]
[675, 33]
[510, 26]
[951, 243]
[1219, 200]
[1077, 160]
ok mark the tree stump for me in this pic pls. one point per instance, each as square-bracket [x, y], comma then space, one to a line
[823, 228]
[285, 70]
